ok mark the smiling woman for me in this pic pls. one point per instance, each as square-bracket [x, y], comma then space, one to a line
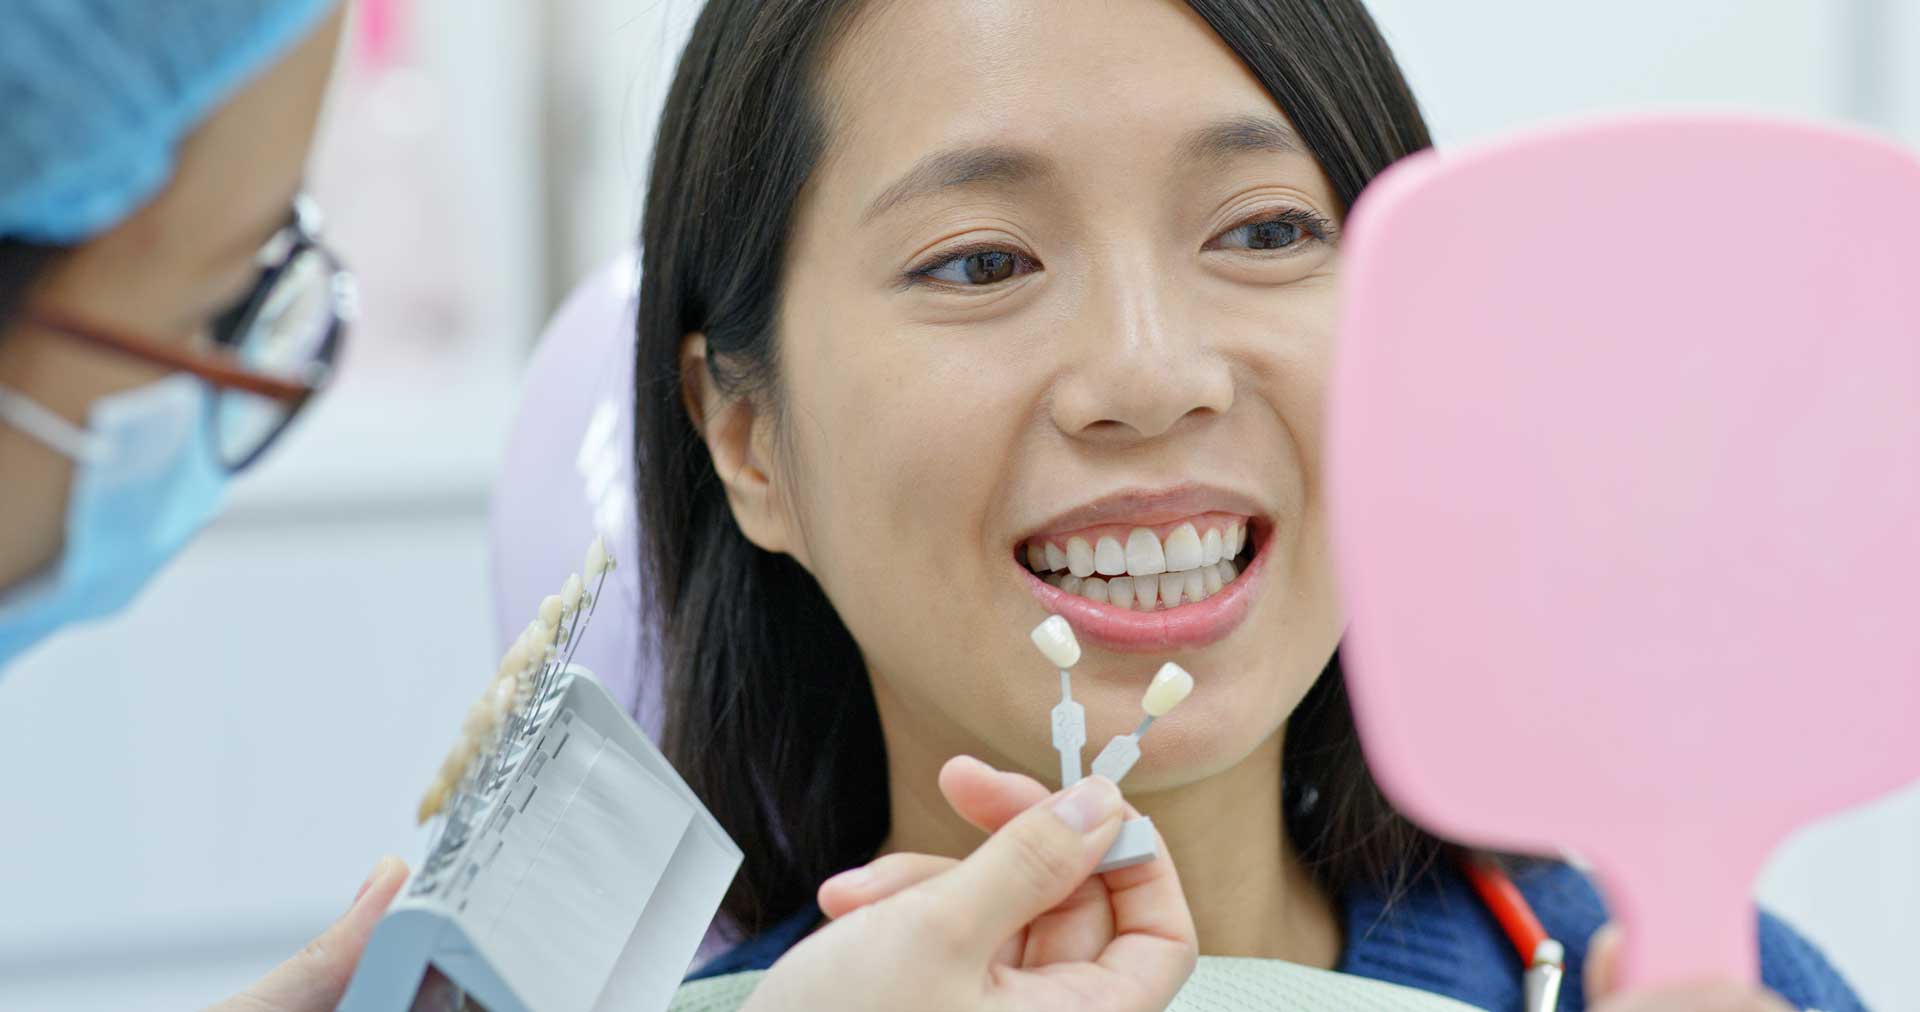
[1052, 317]
[953, 316]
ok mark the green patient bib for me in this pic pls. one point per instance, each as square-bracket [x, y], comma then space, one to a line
[1218, 984]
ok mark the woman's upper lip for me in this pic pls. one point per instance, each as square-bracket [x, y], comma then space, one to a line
[1145, 507]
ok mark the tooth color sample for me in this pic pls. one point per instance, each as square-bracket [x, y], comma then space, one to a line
[1171, 684]
[1055, 639]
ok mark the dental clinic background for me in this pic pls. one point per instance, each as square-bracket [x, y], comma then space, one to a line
[192, 791]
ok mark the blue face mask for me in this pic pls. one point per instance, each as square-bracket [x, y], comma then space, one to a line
[145, 481]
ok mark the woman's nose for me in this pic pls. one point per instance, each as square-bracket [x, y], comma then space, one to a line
[1136, 374]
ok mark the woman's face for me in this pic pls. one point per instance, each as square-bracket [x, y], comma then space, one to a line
[1066, 278]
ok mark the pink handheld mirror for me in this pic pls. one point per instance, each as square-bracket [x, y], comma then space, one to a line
[1624, 471]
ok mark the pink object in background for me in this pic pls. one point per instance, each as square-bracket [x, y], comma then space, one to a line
[379, 30]
[1624, 468]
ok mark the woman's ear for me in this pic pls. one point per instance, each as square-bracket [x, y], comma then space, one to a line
[740, 441]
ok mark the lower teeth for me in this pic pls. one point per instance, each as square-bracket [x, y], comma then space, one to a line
[1150, 593]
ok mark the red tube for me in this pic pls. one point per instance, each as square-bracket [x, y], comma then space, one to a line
[1510, 908]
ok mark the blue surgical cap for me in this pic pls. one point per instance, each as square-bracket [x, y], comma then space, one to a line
[96, 95]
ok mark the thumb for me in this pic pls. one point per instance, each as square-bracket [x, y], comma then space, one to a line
[1601, 971]
[1031, 864]
[315, 978]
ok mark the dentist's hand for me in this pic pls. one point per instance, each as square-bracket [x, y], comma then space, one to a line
[314, 979]
[1020, 924]
[1603, 954]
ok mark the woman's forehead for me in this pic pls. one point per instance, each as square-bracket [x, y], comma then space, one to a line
[1034, 85]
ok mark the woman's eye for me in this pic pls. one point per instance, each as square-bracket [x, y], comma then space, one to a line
[979, 267]
[1273, 233]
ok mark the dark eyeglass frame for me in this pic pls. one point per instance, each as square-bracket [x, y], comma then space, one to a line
[297, 238]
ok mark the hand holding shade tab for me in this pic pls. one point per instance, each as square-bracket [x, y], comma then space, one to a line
[1624, 463]
[1054, 638]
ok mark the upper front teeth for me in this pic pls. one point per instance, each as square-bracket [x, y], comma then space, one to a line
[1183, 548]
[1080, 557]
[1145, 557]
[1109, 559]
[1056, 559]
[1144, 554]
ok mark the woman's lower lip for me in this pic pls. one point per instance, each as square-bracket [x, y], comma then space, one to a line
[1187, 627]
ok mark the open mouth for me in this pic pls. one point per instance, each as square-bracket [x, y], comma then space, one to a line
[1153, 572]
[1145, 568]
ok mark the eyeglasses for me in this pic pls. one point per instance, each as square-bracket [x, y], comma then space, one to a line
[273, 350]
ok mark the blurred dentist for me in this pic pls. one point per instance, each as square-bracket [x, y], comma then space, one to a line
[166, 310]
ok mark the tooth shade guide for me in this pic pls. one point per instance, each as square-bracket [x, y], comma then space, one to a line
[1055, 640]
[1170, 687]
[552, 609]
[504, 717]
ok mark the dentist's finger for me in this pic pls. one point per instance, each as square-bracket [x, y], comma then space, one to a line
[1028, 867]
[315, 978]
[878, 879]
[986, 797]
[1154, 937]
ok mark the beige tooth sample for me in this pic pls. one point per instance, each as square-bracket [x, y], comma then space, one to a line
[1109, 559]
[1183, 548]
[598, 559]
[1171, 586]
[1171, 684]
[1211, 546]
[1144, 555]
[552, 608]
[1056, 559]
[1079, 557]
[1056, 641]
[1095, 589]
[1120, 591]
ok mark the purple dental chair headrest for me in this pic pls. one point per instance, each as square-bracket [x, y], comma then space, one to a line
[567, 475]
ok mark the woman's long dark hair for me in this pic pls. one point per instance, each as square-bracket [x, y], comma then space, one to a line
[770, 715]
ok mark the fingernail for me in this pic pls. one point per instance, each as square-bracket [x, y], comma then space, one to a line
[853, 878]
[372, 876]
[1088, 804]
[364, 886]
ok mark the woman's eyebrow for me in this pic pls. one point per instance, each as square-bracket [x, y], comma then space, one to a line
[957, 167]
[1239, 135]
